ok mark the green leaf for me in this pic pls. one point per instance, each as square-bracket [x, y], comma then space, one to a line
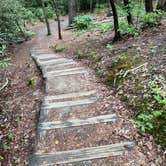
[10, 136]
[1, 157]
[109, 46]
[18, 119]
[156, 113]
[5, 146]
[143, 128]
[4, 63]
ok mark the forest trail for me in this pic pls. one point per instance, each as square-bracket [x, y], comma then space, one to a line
[71, 119]
[77, 120]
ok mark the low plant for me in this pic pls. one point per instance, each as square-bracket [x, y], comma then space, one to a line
[153, 119]
[152, 19]
[83, 22]
[78, 54]
[110, 46]
[105, 27]
[144, 91]
[31, 82]
[128, 28]
[3, 48]
[5, 63]
[57, 49]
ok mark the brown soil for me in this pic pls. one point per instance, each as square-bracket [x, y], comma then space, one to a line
[19, 106]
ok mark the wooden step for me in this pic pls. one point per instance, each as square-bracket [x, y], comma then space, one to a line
[61, 65]
[66, 70]
[53, 61]
[46, 56]
[70, 95]
[77, 122]
[83, 154]
[36, 53]
[68, 73]
[69, 103]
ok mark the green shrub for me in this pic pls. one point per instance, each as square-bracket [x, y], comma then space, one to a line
[83, 22]
[153, 119]
[129, 29]
[50, 12]
[38, 13]
[105, 27]
[152, 19]
[12, 20]
[57, 49]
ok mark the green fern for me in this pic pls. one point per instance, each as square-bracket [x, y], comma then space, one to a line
[5, 63]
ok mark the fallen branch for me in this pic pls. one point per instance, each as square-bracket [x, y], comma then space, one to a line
[6, 83]
[131, 70]
[69, 28]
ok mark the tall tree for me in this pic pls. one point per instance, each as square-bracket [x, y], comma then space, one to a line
[161, 4]
[46, 19]
[72, 10]
[127, 8]
[58, 18]
[91, 6]
[78, 5]
[149, 6]
[109, 7]
[116, 21]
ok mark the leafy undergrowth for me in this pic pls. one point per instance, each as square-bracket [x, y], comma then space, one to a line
[135, 69]
[143, 89]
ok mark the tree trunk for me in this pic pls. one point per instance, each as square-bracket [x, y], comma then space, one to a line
[116, 22]
[161, 5]
[58, 19]
[46, 19]
[72, 10]
[78, 5]
[127, 8]
[91, 6]
[109, 7]
[149, 6]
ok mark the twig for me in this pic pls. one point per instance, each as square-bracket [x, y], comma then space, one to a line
[131, 70]
[6, 83]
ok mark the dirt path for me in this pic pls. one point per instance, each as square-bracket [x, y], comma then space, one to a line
[80, 120]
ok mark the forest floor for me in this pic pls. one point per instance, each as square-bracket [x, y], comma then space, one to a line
[20, 100]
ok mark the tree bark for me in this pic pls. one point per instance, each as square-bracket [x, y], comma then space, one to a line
[78, 5]
[109, 7]
[161, 5]
[72, 10]
[91, 6]
[127, 7]
[46, 19]
[58, 19]
[149, 6]
[116, 21]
